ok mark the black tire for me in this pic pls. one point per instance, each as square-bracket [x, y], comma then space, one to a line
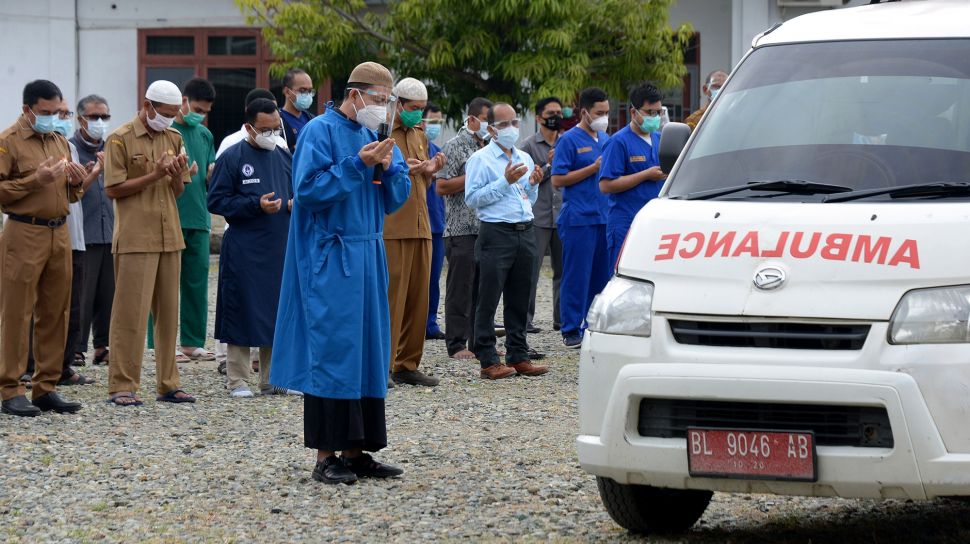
[645, 509]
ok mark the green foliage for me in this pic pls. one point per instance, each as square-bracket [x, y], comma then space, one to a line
[510, 50]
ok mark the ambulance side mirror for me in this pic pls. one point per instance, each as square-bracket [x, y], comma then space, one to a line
[673, 138]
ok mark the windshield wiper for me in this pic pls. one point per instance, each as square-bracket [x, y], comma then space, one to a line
[789, 186]
[934, 188]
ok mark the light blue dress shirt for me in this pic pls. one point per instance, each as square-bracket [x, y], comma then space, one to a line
[490, 195]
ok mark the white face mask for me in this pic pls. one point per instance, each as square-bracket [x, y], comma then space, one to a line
[371, 116]
[600, 124]
[482, 131]
[160, 122]
[97, 129]
[265, 142]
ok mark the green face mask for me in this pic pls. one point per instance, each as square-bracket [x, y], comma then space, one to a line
[193, 119]
[411, 118]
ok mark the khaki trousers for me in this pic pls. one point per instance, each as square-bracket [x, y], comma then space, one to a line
[408, 267]
[145, 283]
[239, 367]
[36, 280]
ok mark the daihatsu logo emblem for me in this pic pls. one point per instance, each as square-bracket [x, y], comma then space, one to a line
[769, 277]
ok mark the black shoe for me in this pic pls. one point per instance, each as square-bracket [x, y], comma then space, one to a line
[535, 355]
[414, 377]
[333, 471]
[19, 406]
[222, 368]
[532, 329]
[437, 335]
[364, 466]
[53, 401]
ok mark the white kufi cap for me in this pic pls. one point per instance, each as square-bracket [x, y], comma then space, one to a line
[410, 89]
[165, 92]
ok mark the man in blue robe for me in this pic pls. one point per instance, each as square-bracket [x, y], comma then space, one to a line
[251, 188]
[332, 337]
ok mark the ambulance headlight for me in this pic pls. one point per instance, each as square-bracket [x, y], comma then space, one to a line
[623, 307]
[932, 316]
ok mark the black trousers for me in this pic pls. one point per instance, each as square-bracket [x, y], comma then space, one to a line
[74, 319]
[506, 255]
[547, 240]
[97, 294]
[461, 293]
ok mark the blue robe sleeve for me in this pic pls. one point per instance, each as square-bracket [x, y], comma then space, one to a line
[396, 183]
[223, 199]
[319, 179]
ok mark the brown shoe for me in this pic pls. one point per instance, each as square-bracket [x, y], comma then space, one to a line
[497, 372]
[526, 368]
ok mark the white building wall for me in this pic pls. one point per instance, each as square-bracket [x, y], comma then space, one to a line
[37, 39]
[712, 20]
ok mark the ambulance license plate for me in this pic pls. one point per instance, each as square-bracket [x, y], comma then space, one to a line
[752, 454]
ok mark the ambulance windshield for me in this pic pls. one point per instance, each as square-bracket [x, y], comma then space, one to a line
[862, 115]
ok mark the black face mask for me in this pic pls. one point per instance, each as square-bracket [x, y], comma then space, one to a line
[552, 123]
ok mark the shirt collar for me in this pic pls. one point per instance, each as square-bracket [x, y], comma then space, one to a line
[540, 139]
[497, 151]
[24, 130]
[139, 127]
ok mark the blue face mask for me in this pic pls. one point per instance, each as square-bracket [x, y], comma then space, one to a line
[64, 126]
[303, 101]
[432, 131]
[507, 137]
[44, 124]
[714, 93]
[650, 124]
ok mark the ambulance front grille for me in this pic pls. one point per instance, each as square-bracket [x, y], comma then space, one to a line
[824, 336]
[833, 425]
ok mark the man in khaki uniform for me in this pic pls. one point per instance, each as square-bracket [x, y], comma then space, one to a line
[37, 181]
[145, 171]
[407, 240]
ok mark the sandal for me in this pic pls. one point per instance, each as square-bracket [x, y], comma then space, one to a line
[76, 379]
[172, 396]
[79, 359]
[100, 358]
[463, 355]
[181, 357]
[201, 354]
[116, 399]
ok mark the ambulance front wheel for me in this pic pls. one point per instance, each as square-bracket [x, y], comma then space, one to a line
[646, 509]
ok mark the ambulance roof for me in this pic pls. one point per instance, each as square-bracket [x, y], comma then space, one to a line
[893, 20]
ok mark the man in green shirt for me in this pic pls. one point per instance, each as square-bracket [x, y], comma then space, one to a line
[198, 96]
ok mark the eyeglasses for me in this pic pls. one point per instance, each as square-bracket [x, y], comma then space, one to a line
[65, 114]
[650, 113]
[305, 90]
[435, 121]
[499, 125]
[97, 116]
[278, 132]
[380, 98]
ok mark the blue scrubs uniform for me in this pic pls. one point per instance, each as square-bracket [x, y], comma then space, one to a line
[333, 328]
[251, 258]
[436, 216]
[582, 229]
[627, 153]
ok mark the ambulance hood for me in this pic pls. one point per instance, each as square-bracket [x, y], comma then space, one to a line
[830, 261]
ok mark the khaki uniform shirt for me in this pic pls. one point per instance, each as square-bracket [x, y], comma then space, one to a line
[411, 220]
[21, 151]
[146, 222]
[695, 117]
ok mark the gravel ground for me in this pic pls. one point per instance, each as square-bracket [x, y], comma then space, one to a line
[487, 461]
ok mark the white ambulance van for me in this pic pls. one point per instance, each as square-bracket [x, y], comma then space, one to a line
[792, 314]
